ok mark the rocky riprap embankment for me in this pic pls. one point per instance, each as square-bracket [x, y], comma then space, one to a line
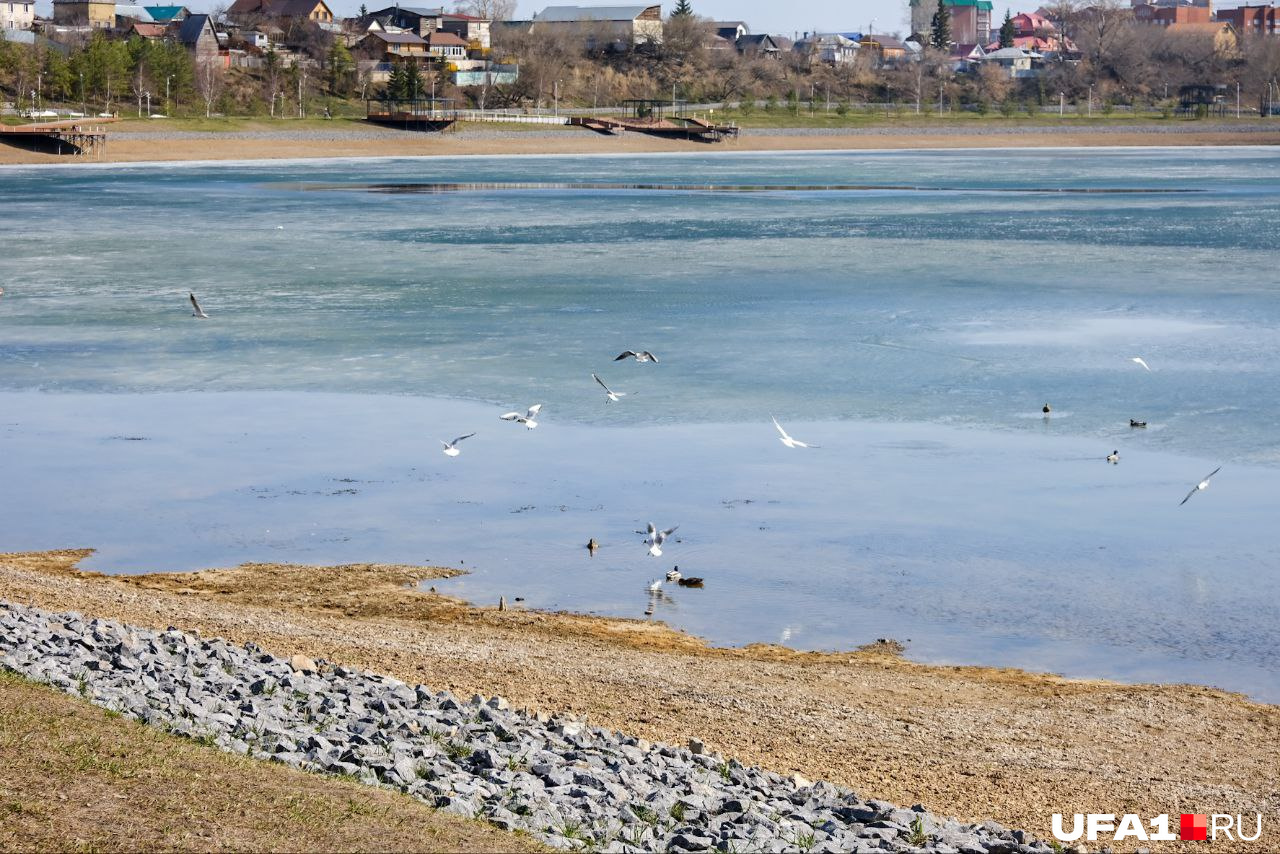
[572, 785]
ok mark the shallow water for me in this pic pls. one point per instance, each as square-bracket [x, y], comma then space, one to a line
[914, 334]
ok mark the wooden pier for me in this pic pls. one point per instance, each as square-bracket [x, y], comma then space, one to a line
[647, 116]
[70, 136]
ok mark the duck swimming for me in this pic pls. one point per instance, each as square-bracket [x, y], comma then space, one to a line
[1047, 409]
[1114, 458]
[1133, 423]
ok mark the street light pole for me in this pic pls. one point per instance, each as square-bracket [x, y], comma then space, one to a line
[148, 94]
[1090, 100]
[168, 109]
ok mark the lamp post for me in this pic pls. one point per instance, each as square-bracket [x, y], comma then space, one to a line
[167, 108]
[83, 108]
[555, 94]
[1090, 100]
[148, 96]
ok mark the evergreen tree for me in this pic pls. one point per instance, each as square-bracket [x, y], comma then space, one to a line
[682, 9]
[940, 37]
[1006, 30]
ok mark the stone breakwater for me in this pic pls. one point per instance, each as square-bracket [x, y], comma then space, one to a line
[570, 784]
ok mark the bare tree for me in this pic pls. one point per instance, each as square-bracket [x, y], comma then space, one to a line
[493, 10]
[210, 81]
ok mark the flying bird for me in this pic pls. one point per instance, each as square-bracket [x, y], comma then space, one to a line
[656, 538]
[1114, 458]
[1201, 486]
[655, 585]
[451, 448]
[527, 419]
[609, 393]
[788, 441]
[642, 356]
[195, 304]
[1138, 360]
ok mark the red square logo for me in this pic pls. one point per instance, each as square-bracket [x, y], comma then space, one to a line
[1195, 827]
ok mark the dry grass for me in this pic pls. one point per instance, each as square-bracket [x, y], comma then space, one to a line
[75, 777]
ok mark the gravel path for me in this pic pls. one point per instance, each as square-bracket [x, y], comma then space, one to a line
[570, 784]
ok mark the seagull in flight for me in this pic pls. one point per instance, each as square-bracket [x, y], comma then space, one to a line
[610, 393]
[527, 419]
[656, 538]
[642, 356]
[195, 304]
[788, 441]
[1139, 360]
[1200, 487]
[451, 448]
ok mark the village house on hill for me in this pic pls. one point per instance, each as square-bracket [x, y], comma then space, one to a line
[17, 14]
[599, 26]
[300, 10]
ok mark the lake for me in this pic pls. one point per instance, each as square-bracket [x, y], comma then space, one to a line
[909, 312]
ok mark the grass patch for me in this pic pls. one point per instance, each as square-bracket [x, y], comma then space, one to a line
[76, 778]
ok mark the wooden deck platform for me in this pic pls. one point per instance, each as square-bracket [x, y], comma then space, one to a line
[678, 127]
[71, 136]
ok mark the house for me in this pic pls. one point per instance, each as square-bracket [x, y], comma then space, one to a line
[1153, 14]
[197, 35]
[126, 15]
[446, 46]
[256, 38]
[761, 45]
[84, 13]
[17, 14]
[730, 31]
[474, 31]
[300, 10]
[603, 25]
[150, 32]
[1255, 20]
[966, 57]
[831, 48]
[970, 19]
[1226, 42]
[384, 46]
[888, 50]
[165, 14]
[1015, 60]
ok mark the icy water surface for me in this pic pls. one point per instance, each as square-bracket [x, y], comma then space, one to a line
[910, 312]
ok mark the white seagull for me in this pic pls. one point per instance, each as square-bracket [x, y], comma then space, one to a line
[199, 312]
[1201, 486]
[1139, 360]
[610, 393]
[451, 448]
[642, 356]
[655, 585]
[656, 538]
[527, 419]
[788, 441]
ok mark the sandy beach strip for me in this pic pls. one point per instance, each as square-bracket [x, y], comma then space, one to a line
[134, 143]
[977, 743]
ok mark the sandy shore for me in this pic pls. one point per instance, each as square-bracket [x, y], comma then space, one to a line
[133, 145]
[977, 743]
